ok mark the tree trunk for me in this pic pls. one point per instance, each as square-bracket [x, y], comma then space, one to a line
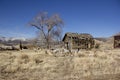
[47, 43]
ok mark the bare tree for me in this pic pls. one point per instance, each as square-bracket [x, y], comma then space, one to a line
[49, 26]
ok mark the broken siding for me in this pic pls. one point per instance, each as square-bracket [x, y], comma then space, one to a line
[78, 41]
[117, 41]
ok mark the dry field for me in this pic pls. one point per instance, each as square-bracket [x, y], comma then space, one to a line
[96, 64]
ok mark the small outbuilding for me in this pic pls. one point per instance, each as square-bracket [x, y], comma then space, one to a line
[78, 41]
[117, 41]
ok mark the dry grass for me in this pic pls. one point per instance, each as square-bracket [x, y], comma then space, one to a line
[44, 65]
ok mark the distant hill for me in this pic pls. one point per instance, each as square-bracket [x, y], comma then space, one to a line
[101, 39]
[12, 40]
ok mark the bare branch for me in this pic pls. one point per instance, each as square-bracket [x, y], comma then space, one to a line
[51, 27]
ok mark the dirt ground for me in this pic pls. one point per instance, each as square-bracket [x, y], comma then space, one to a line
[95, 64]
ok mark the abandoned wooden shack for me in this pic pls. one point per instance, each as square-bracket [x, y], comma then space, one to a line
[117, 41]
[78, 41]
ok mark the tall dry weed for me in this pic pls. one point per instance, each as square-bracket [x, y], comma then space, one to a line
[42, 65]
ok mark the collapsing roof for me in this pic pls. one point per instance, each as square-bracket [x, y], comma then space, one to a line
[80, 36]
